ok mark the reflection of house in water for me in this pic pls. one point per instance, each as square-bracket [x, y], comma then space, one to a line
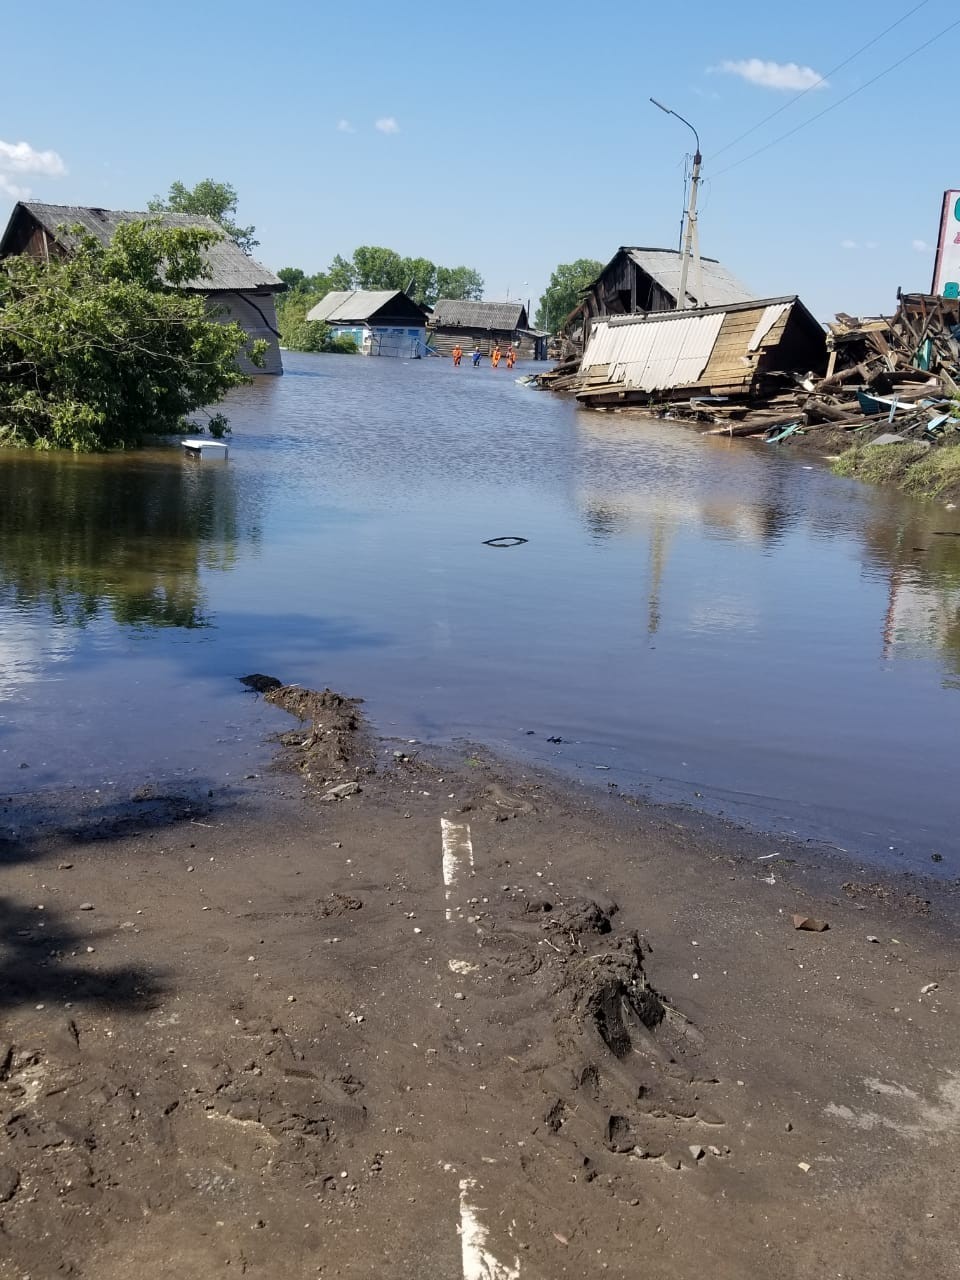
[921, 616]
[659, 493]
[915, 550]
[618, 492]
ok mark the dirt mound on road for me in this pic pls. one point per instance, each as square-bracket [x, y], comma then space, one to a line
[336, 740]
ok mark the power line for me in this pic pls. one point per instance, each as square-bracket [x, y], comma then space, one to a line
[846, 98]
[822, 80]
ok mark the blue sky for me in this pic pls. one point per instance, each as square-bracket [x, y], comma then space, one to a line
[511, 137]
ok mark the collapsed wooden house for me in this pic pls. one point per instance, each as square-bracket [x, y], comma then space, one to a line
[731, 351]
[484, 325]
[238, 288]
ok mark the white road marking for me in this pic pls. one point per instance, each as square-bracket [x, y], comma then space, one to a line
[457, 851]
[478, 1262]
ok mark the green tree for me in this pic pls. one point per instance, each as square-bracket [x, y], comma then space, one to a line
[217, 200]
[293, 277]
[422, 275]
[370, 267]
[377, 268]
[563, 292]
[342, 274]
[459, 282]
[101, 347]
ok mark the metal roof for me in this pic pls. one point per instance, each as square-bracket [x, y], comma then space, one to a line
[454, 312]
[229, 267]
[654, 356]
[344, 306]
[720, 286]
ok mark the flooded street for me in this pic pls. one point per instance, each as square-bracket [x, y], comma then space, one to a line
[700, 621]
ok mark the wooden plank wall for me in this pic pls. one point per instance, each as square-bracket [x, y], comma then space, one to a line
[444, 340]
[730, 365]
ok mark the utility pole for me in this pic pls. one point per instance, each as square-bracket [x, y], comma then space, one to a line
[691, 239]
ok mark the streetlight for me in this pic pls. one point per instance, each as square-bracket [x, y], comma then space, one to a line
[691, 240]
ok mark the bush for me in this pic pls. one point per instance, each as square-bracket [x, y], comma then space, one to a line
[101, 348]
[343, 344]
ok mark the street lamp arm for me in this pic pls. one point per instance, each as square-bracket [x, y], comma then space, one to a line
[671, 112]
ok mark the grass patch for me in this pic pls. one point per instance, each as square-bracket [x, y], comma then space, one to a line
[921, 470]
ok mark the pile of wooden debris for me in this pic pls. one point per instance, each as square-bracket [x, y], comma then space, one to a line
[893, 377]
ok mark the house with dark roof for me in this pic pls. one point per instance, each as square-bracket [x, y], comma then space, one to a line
[484, 324]
[382, 322]
[237, 287]
[638, 281]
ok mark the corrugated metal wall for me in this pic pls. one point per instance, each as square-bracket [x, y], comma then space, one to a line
[653, 355]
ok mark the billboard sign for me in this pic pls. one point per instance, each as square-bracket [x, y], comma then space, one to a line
[946, 273]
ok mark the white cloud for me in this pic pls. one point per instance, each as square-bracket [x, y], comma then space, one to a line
[773, 75]
[344, 126]
[387, 124]
[849, 244]
[921, 246]
[11, 189]
[20, 157]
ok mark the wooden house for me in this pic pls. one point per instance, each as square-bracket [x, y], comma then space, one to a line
[638, 281]
[237, 287]
[725, 351]
[382, 322]
[484, 324]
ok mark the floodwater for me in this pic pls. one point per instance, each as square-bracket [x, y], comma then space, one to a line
[710, 622]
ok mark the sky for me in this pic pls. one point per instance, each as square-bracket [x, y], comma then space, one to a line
[508, 138]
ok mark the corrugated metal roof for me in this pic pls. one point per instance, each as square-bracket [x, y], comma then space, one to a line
[230, 268]
[478, 315]
[344, 306]
[719, 285]
[654, 355]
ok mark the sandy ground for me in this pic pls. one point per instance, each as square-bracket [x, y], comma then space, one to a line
[462, 1024]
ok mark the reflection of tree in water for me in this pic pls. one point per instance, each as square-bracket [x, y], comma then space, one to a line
[123, 533]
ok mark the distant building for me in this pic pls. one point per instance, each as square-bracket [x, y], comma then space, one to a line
[381, 322]
[237, 286]
[638, 281]
[484, 324]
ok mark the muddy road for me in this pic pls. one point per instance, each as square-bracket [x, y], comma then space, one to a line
[461, 1023]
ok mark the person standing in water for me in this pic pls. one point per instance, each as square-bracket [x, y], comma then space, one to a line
[457, 355]
[495, 356]
[476, 357]
[511, 356]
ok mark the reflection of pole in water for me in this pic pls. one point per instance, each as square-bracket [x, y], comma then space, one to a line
[889, 618]
[659, 545]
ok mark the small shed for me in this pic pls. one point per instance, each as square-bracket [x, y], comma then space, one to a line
[637, 280]
[382, 322]
[715, 351]
[238, 287]
[484, 324]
